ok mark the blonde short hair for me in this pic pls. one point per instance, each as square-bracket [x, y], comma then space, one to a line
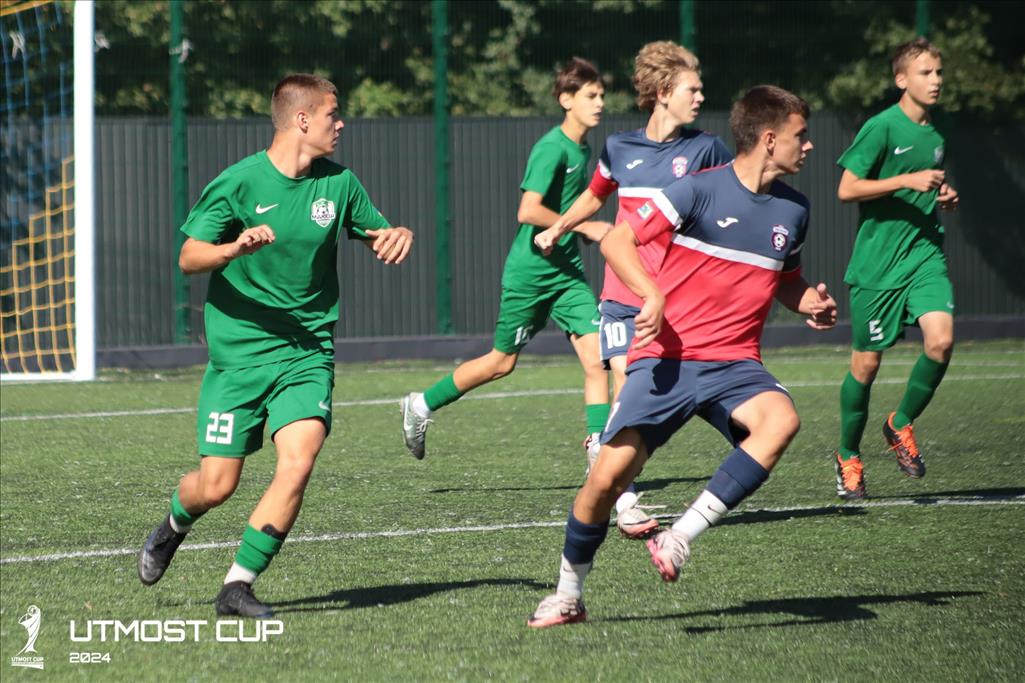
[656, 69]
[295, 92]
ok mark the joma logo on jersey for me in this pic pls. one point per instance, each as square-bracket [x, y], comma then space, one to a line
[779, 237]
[322, 212]
[680, 167]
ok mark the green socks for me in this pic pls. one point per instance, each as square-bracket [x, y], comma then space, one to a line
[442, 393]
[925, 377]
[853, 414]
[596, 415]
[181, 519]
[257, 550]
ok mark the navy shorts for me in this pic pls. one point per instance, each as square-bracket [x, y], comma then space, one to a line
[617, 329]
[661, 395]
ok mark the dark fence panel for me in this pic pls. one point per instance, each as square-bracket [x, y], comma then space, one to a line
[394, 158]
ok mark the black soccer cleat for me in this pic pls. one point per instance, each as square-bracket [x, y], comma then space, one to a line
[905, 448]
[236, 599]
[157, 552]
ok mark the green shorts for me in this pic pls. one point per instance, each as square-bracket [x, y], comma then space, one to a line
[521, 315]
[879, 316]
[234, 405]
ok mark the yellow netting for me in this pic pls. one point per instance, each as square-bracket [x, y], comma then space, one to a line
[37, 319]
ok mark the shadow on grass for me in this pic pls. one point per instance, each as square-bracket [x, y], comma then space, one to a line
[761, 516]
[932, 497]
[377, 596]
[806, 611]
[642, 485]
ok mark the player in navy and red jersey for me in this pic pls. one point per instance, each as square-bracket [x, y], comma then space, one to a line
[636, 165]
[737, 234]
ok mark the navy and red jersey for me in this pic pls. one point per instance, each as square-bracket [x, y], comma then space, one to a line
[730, 250]
[638, 168]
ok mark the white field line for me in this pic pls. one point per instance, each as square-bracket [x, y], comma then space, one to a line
[468, 397]
[361, 535]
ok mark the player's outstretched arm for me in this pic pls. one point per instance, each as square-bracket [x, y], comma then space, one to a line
[391, 245]
[585, 206]
[815, 302]
[198, 256]
[855, 189]
[620, 251]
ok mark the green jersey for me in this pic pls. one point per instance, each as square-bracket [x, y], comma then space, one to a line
[556, 170]
[898, 234]
[282, 300]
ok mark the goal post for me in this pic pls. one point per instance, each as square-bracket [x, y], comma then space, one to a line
[47, 223]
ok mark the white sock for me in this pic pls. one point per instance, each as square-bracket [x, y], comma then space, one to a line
[702, 513]
[239, 573]
[627, 500]
[571, 578]
[420, 406]
[179, 528]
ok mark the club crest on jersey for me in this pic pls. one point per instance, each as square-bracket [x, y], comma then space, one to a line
[680, 167]
[779, 237]
[937, 154]
[322, 212]
[645, 210]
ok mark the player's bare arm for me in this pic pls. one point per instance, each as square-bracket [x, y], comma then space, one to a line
[391, 245]
[855, 189]
[533, 212]
[198, 256]
[815, 302]
[585, 206]
[620, 251]
[592, 230]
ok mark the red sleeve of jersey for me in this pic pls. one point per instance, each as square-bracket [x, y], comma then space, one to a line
[790, 275]
[601, 187]
[648, 222]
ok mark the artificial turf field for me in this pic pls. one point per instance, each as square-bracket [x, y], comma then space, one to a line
[427, 570]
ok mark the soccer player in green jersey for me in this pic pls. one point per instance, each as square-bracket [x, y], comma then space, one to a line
[535, 287]
[267, 230]
[897, 273]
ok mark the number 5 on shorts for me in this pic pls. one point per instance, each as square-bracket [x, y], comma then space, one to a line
[219, 429]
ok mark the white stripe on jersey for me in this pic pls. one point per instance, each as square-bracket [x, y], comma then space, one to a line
[641, 192]
[604, 170]
[667, 208]
[728, 254]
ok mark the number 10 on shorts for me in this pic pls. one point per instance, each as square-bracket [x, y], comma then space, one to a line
[220, 427]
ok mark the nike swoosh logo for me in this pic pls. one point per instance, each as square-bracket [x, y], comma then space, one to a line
[572, 168]
[598, 321]
[633, 164]
[324, 405]
[727, 222]
[901, 150]
[264, 209]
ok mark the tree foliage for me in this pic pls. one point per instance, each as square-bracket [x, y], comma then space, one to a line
[502, 54]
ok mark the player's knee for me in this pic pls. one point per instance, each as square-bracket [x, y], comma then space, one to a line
[939, 347]
[865, 368]
[295, 471]
[217, 490]
[503, 365]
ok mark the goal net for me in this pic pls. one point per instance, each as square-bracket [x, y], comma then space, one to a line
[46, 222]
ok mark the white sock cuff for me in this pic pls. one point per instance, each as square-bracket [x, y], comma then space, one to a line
[420, 406]
[239, 573]
[179, 528]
